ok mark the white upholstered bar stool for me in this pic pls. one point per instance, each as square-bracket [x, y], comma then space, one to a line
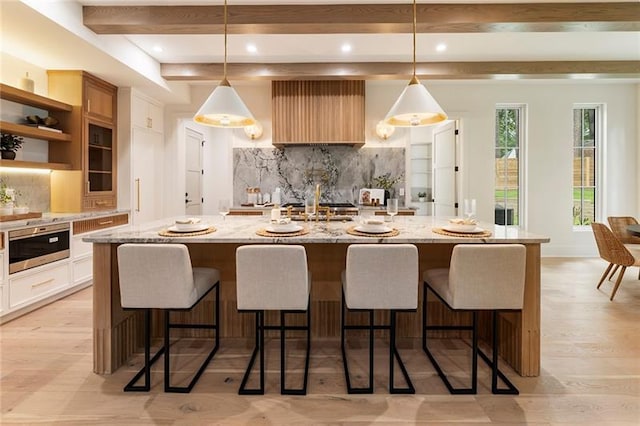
[160, 276]
[480, 277]
[379, 276]
[273, 277]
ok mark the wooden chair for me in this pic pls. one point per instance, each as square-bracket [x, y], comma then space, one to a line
[615, 252]
[619, 225]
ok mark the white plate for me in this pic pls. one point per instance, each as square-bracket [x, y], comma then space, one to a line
[192, 227]
[282, 229]
[373, 229]
[453, 228]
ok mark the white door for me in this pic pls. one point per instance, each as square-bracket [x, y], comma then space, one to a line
[193, 170]
[146, 152]
[444, 170]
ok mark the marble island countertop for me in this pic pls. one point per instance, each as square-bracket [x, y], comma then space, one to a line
[242, 230]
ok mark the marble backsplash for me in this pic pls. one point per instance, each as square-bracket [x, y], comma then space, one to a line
[340, 170]
[32, 189]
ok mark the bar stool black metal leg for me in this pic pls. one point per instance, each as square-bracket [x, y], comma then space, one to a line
[395, 355]
[146, 369]
[283, 328]
[474, 371]
[167, 330]
[343, 328]
[493, 363]
[259, 346]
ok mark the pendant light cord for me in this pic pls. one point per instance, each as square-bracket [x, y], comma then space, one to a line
[224, 69]
[414, 37]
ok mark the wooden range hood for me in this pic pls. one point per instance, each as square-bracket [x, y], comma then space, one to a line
[318, 112]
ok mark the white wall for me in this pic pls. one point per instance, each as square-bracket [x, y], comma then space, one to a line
[549, 145]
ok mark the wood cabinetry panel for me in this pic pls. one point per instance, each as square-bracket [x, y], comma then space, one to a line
[318, 112]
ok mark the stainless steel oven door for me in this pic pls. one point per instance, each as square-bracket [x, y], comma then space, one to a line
[37, 245]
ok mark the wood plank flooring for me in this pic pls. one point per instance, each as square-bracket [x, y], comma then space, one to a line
[590, 371]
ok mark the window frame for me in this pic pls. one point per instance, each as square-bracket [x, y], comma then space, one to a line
[522, 155]
[599, 146]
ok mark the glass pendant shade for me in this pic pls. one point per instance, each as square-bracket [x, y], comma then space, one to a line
[415, 107]
[224, 108]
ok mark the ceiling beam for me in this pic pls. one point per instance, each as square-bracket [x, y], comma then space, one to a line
[364, 18]
[400, 70]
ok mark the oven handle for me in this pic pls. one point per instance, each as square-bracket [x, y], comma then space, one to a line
[39, 232]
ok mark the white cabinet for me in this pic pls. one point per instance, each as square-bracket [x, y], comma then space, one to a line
[146, 113]
[37, 283]
[141, 156]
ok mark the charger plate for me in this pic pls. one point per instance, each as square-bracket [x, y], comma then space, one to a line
[483, 234]
[352, 231]
[264, 233]
[167, 233]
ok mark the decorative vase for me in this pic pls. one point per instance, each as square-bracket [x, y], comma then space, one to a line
[8, 155]
[6, 209]
[421, 199]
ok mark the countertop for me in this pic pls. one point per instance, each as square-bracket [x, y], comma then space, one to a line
[57, 217]
[242, 229]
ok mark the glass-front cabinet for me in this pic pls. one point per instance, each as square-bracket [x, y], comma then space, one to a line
[100, 159]
[91, 182]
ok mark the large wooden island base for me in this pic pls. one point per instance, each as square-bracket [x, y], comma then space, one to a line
[117, 333]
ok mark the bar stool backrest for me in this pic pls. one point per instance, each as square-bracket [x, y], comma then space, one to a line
[156, 276]
[487, 276]
[382, 276]
[272, 277]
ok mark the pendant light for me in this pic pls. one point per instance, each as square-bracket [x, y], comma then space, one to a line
[415, 106]
[224, 108]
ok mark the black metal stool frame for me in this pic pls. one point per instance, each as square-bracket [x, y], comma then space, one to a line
[259, 347]
[165, 349]
[492, 363]
[394, 355]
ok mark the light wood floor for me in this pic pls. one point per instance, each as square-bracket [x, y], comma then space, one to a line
[590, 372]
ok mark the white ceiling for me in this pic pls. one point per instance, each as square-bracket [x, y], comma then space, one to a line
[29, 32]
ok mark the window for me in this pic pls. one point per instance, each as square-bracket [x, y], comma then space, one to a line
[509, 141]
[587, 131]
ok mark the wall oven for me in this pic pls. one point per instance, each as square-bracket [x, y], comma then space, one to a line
[37, 245]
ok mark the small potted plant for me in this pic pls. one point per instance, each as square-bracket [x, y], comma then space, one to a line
[6, 200]
[422, 196]
[9, 144]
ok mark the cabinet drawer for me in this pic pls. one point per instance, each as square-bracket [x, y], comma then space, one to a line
[38, 284]
[88, 225]
[100, 203]
[82, 270]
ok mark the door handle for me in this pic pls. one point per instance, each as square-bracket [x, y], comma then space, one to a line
[138, 194]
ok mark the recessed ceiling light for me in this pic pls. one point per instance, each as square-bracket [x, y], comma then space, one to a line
[441, 47]
[251, 48]
[346, 48]
[157, 49]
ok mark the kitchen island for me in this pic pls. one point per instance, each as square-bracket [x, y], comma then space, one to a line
[117, 332]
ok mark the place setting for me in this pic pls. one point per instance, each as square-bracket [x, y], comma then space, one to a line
[464, 227]
[373, 227]
[187, 227]
[282, 227]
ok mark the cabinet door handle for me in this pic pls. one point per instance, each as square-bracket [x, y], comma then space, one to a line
[50, 280]
[88, 105]
[149, 122]
[102, 202]
[88, 186]
[138, 194]
[106, 222]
